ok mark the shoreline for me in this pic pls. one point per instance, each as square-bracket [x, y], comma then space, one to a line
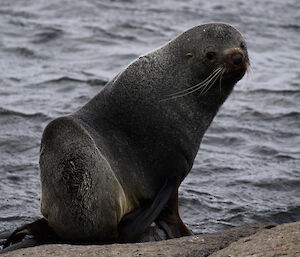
[247, 240]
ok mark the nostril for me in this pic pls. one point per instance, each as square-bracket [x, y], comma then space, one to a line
[237, 59]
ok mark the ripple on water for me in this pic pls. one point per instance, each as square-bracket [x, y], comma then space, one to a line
[7, 112]
[47, 34]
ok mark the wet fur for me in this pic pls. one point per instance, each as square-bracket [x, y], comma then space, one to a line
[103, 168]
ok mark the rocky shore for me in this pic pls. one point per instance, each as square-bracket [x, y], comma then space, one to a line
[248, 240]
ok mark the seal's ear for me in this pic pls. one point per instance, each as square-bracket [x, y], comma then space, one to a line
[189, 55]
[135, 223]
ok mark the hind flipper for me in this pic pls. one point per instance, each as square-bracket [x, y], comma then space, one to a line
[25, 243]
[135, 223]
[39, 231]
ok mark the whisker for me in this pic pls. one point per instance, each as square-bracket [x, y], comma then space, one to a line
[211, 84]
[208, 82]
[190, 92]
[220, 81]
[199, 84]
[249, 74]
[249, 71]
[197, 87]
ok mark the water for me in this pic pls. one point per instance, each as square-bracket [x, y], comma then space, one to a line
[56, 55]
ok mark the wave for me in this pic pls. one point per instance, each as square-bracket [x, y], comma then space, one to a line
[22, 51]
[272, 91]
[103, 34]
[39, 115]
[253, 114]
[19, 14]
[286, 26]
[278, 184]
[292, 214]
[66, 79]
[47, 34]
[18, 218]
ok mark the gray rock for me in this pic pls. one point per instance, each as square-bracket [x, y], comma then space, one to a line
[200, 246]
[283, 240]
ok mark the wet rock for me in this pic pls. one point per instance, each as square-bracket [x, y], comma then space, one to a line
[200, 246]
[283, 240]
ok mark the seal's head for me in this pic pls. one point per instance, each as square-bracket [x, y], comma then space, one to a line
[215, 59]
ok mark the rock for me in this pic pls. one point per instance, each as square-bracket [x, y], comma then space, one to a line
[248, 240]
[200, 246]
[283, 240]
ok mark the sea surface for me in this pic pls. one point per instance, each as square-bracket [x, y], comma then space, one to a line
[56, 55]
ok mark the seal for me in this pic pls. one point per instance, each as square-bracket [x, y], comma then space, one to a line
[113, 167]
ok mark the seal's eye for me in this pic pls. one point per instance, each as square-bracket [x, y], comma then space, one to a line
[243, 45]
[210, 55]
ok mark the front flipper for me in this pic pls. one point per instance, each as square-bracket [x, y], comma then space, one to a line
[39, 231]
[135, 223]
[169, 219]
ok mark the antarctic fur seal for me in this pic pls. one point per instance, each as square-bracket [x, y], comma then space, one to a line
[114, 166]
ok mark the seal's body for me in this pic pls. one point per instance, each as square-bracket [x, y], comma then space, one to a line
[122, 156]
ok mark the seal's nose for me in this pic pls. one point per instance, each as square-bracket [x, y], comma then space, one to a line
[237, 59]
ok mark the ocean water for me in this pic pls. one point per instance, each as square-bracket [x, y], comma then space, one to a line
[56, 55]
